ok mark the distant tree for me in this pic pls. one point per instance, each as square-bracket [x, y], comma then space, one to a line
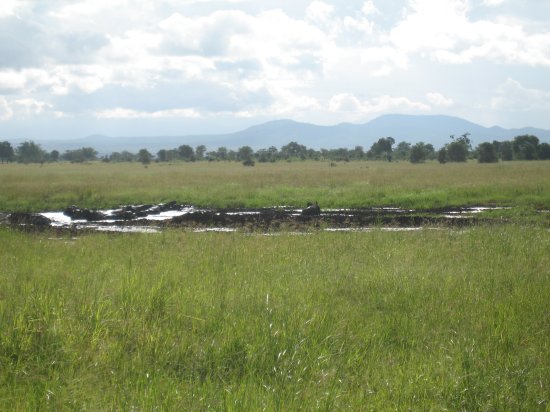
[419, 152]
[232, 155]
[7, 154]
[200, 151]
[442, 155]
[497, 145]
[222, 153]
[525, 147]
[89, 153]
[272, 153]
[430, 151]
[127, 156]
[506, 151]
[294, 150]
[245, 154]
[267, 155]
[144, 156]
[73, 156]
[162, 155]
[402, 151]
[487, 153]
[115, 157]
[382, 149]
[124, 156]
[465, 138]
[186, 153]
[30, 152]
[457, 152]
[340, 155]
[358, 153]
[172, 154]
[544, 151]
[316, 155]
[262, 156]
[54, 156]
[458, 149]
[212, 155]
[84, 154]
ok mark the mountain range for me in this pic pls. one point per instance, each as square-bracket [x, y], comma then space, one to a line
[434, 129]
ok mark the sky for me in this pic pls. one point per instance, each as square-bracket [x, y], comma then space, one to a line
[69, 69]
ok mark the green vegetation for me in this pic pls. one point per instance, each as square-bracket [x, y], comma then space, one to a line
[435, 319]
[7, 154]
[345, 184]
[429, 320]
[524, 147]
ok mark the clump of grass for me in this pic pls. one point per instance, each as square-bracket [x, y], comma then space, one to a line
[436, 319]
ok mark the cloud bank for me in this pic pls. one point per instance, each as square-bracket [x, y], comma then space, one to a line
[104, 60]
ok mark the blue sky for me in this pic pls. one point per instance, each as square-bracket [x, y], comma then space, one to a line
[171, 67]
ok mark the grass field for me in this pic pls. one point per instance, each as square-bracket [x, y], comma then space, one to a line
[429, 320]
[354, 184]
[437, 319]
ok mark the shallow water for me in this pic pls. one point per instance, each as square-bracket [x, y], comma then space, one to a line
[153, 218]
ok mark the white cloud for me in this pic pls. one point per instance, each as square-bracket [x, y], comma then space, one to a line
[65, 80]
[11, 82]
[443, 31]
[241, 58]
[88, 8]
[188, 2]
[319, 11]
[431, 25]
[8, 8]
[30, 107]
[492, 3]
[6, 111]
[362, 63]
[288, 103]
[209, 35]
[347, 102]
[439, 100]
[123, 113]
[369, 8]
[23, 108]
[511, 95]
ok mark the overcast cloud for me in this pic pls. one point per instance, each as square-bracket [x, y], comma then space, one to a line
[123, 67]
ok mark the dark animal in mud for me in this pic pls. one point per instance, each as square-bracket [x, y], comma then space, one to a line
[76, 213]
[312, 209]
[28, 219]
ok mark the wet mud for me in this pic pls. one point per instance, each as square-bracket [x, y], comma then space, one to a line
[152, 218]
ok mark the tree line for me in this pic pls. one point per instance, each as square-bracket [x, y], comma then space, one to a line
[458, 149]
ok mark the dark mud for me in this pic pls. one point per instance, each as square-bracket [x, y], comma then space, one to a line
[151, 218]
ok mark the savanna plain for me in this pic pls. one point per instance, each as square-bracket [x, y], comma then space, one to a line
[442, 318]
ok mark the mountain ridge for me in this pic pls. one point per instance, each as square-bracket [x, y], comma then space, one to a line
[434, 129]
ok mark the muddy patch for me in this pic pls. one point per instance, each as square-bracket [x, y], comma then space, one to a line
[153, 218]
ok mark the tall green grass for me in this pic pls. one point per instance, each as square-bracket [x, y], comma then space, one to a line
[354, 184]
[429, 320]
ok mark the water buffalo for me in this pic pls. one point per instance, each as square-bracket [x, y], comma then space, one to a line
[312, 209]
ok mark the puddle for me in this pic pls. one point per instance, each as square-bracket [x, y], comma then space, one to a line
[123, 229]
[215, 229]
[370, 229]
[154, 218]
[468, 211]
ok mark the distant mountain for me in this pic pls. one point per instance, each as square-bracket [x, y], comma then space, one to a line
[429, 129]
